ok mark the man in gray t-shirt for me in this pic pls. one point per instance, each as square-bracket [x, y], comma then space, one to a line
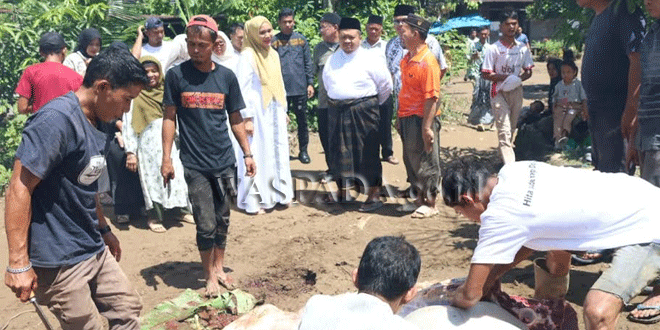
[60, 245]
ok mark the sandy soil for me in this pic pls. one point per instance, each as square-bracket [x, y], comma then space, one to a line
[286, 256]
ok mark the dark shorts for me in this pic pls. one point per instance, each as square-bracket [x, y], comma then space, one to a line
[209, 194]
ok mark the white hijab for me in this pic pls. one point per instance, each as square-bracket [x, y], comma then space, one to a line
[229, 59]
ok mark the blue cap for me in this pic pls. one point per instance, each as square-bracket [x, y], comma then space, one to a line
[153, 22]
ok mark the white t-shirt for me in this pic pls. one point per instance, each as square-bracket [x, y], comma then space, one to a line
[170, 53]
[356, 75]
[544, 207]
[510, 60]
[350, 311]
[378, 48]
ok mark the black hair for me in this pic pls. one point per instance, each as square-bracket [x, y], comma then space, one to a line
[555, 62]
[422, 35]
[389, 267]
[118, 66]
[568, 55]
[285, 12]
[199, 30]
[509, 13]
[234, 27]
[537, 104]
[463, 177]
[571, 64]
[485, 27]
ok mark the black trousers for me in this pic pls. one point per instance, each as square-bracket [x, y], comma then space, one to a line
[385, 128]
[322, 114]
[606, 140]
[124, 185]
[298, 104]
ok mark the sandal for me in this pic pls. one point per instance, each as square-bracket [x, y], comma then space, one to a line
[187, 218]
[407, 208]
[645, 320]
[582, 261]
[156, 226]
[371, 206]
[424, 211]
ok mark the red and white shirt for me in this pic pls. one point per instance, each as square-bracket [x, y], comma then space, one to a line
[507, 59]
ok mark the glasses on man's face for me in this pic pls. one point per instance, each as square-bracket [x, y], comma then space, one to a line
[398, 21]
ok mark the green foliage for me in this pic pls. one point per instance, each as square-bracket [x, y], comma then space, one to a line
[10, 138]
[455, 46]
[573, 21]
[549, 48]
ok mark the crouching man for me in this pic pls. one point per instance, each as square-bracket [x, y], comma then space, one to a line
[385, 280]
[60, 246]
[531, 206]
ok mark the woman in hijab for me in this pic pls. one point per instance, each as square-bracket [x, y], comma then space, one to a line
[143, 140]
[89, 44]
[267, 124]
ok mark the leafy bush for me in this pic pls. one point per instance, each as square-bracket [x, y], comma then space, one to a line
[455, 46]
[549, 48]
[10, 138]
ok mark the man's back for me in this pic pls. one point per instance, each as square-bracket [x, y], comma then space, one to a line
[350, 311]
[45, 81]
[545, 207]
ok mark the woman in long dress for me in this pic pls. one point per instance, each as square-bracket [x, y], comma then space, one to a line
[265, 96]
[143, 137]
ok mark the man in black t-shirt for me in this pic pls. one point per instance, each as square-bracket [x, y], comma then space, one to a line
[611, 78]
[201, 94]
[60, 245]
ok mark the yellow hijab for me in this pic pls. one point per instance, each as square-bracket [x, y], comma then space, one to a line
[148, 105]
[268, 62]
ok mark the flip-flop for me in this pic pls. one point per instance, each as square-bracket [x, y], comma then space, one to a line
[156, 227]
[408, 207]
[370, 206]
[645, 320]
[580, 261]
[424, 211]
[187, 218]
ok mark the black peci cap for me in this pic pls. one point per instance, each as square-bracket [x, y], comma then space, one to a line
[349, 23]
[418, 23]
[374, 19]
[403, 10]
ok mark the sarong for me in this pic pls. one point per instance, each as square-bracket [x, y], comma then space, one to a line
[354, 141]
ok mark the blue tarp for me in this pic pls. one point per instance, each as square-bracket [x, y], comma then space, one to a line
[459, 22]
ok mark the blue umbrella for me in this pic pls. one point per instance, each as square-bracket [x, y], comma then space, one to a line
[459, 22]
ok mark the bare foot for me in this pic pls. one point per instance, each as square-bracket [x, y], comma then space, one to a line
[225, 280]
[212, 287]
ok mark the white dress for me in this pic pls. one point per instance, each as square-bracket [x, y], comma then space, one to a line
[148, 146]
[269, 146]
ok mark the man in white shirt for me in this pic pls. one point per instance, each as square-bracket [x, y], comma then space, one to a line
[357, 84]
[385, 280]
[169, 53]
[507, 63]
[237, 34]
[376, 45]
[532, 206]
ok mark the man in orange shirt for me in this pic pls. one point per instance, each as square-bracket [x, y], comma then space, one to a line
[418, 118]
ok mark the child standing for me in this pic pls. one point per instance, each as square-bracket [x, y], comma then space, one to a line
[569, 100]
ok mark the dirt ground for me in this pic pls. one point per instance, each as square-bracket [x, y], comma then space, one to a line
[286, 256]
